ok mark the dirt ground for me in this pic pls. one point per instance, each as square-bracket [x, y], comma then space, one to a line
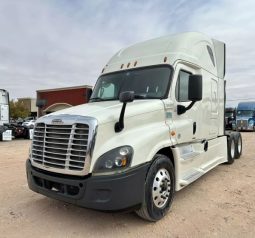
[220, 204]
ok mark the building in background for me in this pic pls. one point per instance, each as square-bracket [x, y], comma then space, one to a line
[51, 100]
[30, 105]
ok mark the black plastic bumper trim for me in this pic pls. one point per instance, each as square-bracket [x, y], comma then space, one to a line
[107, 193]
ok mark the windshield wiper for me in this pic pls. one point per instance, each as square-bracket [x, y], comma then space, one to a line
[97, 99]
[139, 96]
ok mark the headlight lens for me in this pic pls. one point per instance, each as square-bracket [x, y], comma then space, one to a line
[251, 122]
[114, 160]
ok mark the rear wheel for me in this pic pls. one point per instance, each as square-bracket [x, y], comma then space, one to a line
[231, 149]
[238, 145]
[159, 189]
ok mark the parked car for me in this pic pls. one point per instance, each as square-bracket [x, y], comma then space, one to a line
[18, 131]
[19, 121]
[29, 124]
[29, 118]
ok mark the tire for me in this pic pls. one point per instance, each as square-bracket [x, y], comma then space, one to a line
[238, 145]
[231, 149]
[159, 189]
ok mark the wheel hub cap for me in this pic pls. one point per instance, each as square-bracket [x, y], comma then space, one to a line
[161, 188]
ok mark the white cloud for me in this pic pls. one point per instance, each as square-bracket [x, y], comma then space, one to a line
[51, 43]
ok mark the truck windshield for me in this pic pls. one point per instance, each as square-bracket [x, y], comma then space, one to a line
[147, 83]
[245, 113]
[229, 114]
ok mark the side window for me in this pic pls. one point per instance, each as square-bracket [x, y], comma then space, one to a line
[210, 52]
[182, 86]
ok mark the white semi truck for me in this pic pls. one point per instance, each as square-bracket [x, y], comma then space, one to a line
[153, 125]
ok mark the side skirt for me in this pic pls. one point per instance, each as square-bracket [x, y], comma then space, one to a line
[193, 160]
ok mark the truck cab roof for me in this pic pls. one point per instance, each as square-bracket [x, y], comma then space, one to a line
[246, 106]
[192, 47]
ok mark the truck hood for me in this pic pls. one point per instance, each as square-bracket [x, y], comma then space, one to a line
[109, 111]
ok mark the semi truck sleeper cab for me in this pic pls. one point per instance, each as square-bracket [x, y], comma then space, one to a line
[153, 125]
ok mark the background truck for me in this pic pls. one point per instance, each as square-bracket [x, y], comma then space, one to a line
[153, 125]
[230, 118]
[245, 117]
[4, 107]
[4, 110]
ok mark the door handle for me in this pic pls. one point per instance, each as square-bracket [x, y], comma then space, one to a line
[194, 128]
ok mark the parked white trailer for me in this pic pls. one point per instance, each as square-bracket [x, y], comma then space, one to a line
[4, 107]
[154, 124]
[4, 115]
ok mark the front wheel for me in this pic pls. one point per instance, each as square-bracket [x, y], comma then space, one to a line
[159, 189]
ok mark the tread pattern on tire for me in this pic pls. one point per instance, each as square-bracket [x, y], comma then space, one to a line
[142, 212]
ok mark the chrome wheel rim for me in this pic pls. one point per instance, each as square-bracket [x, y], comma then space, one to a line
[239, 145]
[161, 188]
[232, 149]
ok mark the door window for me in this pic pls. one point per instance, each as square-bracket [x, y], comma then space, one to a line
[182, 86]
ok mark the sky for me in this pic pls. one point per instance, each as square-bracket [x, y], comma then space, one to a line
[61, 43]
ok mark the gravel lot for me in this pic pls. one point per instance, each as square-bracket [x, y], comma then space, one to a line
[220, 204]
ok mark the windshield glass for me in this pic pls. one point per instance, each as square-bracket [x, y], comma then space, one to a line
[229, 114]
[147, 83]
[245, 113]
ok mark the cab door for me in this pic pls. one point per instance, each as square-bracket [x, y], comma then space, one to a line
[188, 124]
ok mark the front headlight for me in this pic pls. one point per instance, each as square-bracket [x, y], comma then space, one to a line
[251, 122]
[114, 160]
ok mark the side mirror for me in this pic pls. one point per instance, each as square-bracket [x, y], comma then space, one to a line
[127, 96]
[195, 88]
[195, 93]
[124, 97]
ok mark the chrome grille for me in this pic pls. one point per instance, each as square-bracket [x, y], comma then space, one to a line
[60, 146]
[241, 123]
